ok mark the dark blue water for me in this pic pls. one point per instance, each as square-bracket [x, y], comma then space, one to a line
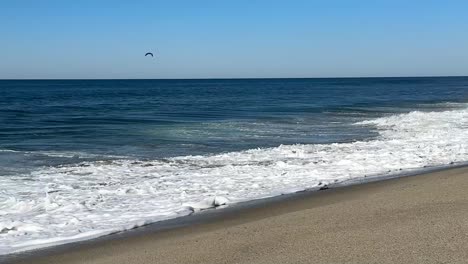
[53, 122]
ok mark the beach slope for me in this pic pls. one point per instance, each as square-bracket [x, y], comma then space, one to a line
[417, 219]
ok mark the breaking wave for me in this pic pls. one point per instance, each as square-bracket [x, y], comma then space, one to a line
[61, 204]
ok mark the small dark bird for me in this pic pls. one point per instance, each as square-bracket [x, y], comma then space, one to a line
[149, 53]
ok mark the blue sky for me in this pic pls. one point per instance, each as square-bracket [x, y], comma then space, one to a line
[232, 39]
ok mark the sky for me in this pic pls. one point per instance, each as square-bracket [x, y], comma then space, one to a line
[98, 39]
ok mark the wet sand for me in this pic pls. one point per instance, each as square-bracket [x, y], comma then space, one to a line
[417, 219]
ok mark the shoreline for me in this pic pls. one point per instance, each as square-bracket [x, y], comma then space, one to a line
[232, 216]
[212, 212]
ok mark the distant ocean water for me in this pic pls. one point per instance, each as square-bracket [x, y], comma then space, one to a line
[85, 158]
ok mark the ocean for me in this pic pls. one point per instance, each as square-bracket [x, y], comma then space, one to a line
[86, 158]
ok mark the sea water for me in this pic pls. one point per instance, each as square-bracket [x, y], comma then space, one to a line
[85, 158]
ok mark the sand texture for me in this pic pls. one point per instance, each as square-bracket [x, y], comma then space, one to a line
[417, 219]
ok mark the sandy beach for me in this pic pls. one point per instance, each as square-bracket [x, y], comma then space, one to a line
[233, 132]
[416, 219]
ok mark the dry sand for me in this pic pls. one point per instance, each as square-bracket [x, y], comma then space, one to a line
[417, 219]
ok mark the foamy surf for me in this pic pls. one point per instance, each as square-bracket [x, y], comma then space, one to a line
[63, 204]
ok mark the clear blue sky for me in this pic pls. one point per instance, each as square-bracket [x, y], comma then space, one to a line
[241, 38]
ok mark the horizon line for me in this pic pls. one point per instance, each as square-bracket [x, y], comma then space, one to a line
[230, 78]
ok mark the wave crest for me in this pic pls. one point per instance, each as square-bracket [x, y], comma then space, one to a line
[67, 203]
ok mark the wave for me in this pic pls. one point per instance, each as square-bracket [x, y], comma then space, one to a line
[61, 204]
[61, 154]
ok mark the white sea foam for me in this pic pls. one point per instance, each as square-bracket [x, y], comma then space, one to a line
[61, 204]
